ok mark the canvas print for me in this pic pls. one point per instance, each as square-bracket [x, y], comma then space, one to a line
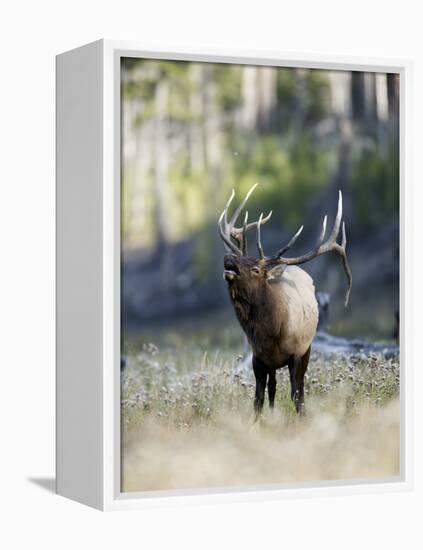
[259, 276]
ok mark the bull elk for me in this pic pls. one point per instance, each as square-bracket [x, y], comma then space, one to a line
[275, 301]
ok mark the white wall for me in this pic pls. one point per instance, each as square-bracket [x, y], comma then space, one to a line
[31, 34]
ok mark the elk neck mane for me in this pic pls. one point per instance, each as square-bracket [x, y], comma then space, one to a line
[264, 309]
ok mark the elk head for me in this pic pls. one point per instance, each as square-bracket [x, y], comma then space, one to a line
[248, 276]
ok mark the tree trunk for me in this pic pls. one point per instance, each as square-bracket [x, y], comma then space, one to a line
[370, 101]
[357, 96]
[382, 108]
[196, 138]
[340, 87]
[267, 98]
[301, 101]
[341, 84]
[212, 135]
[161, 162]
[249, 93]
[161, 183]
[393, 85]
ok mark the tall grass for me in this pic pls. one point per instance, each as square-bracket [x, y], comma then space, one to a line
[187, 421]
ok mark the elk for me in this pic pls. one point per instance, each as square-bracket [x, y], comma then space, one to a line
[274, 300]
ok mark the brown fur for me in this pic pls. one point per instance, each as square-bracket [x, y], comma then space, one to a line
[278, 312]
[274, 299]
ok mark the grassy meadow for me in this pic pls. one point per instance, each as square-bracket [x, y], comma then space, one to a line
[191, 132]
[187, 415]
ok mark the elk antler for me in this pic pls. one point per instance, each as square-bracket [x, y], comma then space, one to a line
[320, 248]
[228, 230]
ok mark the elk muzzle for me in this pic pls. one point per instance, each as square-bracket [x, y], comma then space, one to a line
[231, 271]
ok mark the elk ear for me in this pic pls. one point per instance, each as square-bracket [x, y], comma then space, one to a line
[275, 274]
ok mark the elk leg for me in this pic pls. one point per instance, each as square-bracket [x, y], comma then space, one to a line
[297, 369]
[293, 366]
[304, 364]
[260, 372]
[271, 388]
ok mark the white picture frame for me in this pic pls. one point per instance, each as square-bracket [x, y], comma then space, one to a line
[88, 278]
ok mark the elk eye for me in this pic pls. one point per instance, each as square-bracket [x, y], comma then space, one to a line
[255, 270]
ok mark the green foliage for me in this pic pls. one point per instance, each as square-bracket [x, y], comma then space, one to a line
[203, 262]
[291, 156]
[125, 198]
[228, 82]
[375, 186]
[318, 92]
[316, 95]
[286, 89]
[140, 80]
[289, 173]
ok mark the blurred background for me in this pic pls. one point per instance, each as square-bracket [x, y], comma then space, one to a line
[193, 131]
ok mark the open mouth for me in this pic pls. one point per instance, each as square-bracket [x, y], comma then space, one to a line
[231, 270]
